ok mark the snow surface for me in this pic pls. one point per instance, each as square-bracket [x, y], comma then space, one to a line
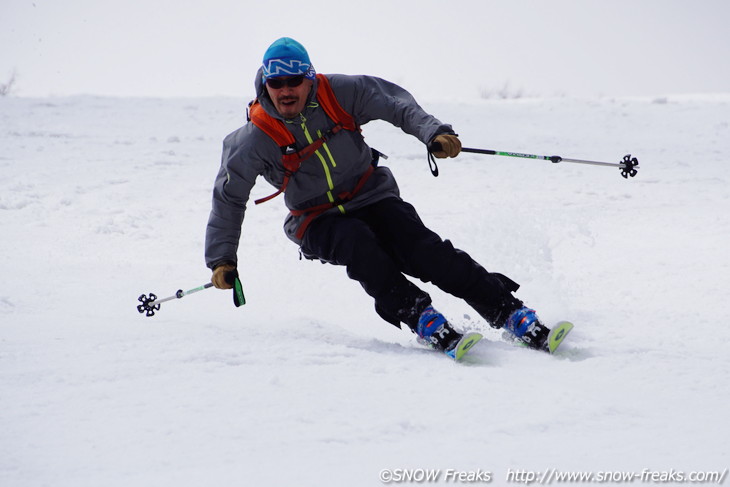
[104, 199]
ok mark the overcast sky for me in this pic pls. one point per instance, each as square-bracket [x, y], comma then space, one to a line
[436, 49]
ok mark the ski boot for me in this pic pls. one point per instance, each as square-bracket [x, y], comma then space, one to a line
[525, 326]
[433, 329]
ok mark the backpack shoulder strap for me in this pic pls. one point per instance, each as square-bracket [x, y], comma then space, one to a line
[333, 109]
[271, 126]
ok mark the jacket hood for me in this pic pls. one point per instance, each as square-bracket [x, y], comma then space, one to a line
[263, 96]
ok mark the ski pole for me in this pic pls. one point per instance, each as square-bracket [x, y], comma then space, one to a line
[628, 165]
[151, 304]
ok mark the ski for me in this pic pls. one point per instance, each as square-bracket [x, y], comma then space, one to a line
[465, 344]
[553, 341]
[557, 335]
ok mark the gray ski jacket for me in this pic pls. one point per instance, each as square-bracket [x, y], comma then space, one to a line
[249, 152]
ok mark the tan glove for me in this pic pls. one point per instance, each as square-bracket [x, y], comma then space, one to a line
[450, 145]
[220, 276]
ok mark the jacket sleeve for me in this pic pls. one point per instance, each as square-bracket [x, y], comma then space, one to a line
[233, 184]
[370, 98]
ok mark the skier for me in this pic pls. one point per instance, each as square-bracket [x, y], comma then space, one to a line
[344, 208]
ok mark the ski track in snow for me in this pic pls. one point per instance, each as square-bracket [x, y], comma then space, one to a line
[103, 199]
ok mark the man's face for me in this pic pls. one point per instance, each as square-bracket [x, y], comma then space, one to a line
[289, 100]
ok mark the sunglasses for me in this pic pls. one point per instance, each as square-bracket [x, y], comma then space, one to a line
[279, 83]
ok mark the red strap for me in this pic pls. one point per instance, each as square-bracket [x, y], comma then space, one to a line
[315, 211]
[273, 127]
[292, 162]
[363, 179]
[274, 195]
[333, 109]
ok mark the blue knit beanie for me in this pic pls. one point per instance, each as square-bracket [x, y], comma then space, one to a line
[286, 57]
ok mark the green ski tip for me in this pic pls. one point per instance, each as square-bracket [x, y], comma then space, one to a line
[465, 344]
[558, 334]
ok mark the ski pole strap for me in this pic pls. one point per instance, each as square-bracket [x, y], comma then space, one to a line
[238, 298]
[430, 149]
[432, 164]
[232, 278]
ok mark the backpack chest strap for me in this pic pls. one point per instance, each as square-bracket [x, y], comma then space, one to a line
[292, 162]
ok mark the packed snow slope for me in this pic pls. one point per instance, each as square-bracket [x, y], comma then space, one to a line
[104, 199]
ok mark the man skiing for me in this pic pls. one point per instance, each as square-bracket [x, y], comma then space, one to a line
[346, 210]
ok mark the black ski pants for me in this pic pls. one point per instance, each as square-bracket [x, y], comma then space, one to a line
[381, 242]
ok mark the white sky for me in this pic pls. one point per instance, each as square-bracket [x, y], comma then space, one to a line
[436, 49]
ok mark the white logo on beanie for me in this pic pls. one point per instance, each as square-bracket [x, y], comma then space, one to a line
[282, 67]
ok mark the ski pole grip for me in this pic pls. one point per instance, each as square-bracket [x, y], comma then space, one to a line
[230, 277]
[435, 147]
